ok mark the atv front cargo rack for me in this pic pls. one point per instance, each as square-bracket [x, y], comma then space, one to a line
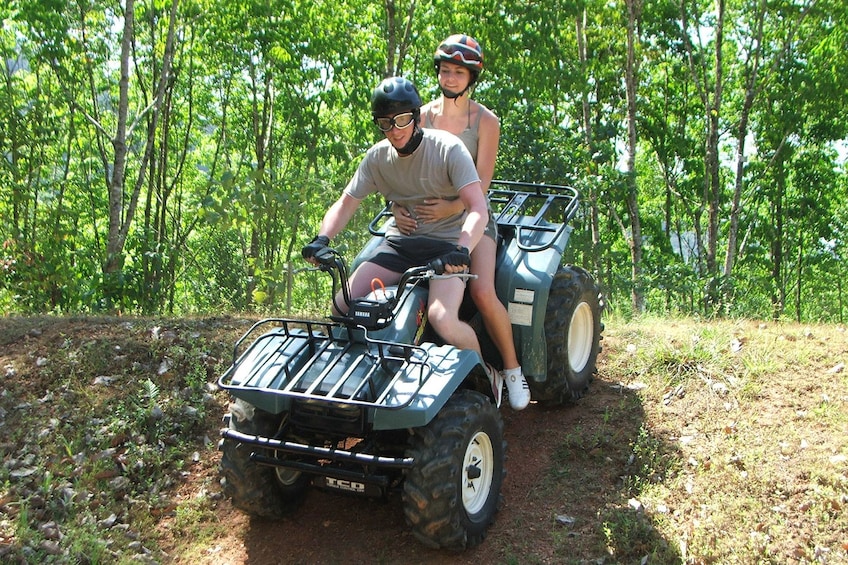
[324, 362]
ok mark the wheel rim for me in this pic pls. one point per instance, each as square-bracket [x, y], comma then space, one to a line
[287, 477]
[478, 472]
[580, 336]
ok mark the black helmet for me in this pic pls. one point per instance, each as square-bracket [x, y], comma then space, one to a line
[394, 95]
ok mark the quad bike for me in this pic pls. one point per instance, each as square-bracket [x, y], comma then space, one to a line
[374, 402]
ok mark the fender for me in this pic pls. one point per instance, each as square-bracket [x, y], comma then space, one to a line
[450, 367]
[524, 288]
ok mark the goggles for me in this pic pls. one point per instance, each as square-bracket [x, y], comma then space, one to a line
[401, 121]
[458, 53]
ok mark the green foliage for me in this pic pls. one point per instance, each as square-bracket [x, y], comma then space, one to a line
[264, 116]
[632, 538]
[651, 462]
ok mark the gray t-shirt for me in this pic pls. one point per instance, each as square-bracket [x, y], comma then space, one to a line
[439, 167]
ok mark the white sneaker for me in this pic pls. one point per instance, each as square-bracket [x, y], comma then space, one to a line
[519, 391]
[497, 381]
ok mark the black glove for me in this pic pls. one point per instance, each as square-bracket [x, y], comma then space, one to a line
[315, 247]
[460, 257]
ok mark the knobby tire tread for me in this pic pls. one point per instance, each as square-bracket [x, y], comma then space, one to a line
[432, 495]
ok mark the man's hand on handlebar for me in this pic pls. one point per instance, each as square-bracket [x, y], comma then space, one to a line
[317, 251]
[457, 261]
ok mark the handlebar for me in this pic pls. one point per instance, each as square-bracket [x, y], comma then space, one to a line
[437, 266]
[433, 270]
[370, 312]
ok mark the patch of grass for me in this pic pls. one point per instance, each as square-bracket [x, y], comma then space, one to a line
[90, 546]
[196, 526]
[631, 537]
[739, 452]
[651, 462]
[99, 419]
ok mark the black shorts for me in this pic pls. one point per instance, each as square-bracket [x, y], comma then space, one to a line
[398, 254]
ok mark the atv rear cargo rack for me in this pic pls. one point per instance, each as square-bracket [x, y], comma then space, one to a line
[324, 361]
[537, 214]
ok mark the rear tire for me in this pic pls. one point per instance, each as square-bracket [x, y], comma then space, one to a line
[451, 495]
[573, 334]
[259, 490]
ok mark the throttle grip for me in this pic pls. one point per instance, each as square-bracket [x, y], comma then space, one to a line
[437, 265]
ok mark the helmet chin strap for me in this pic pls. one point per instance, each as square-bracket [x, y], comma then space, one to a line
[454, 95]
[413, 142]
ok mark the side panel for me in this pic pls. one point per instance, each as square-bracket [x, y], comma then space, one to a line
[523, 280]
[404, 327]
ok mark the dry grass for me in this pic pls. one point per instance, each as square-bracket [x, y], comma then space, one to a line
[744, 441]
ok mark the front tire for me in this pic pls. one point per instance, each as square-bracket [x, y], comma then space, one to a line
[451, 495]
[573, 334]
[259, 490]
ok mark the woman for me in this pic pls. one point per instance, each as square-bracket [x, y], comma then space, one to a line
[458, 61]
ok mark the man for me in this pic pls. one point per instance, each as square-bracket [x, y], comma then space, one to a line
[408, 166]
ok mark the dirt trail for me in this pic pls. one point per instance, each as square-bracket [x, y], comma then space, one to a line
[334, 528]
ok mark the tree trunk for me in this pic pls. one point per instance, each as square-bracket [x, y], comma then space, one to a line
[121, 213]
[397, 44]
[779, 293]
[741, 133]
[799, 273]
[262, 119]
[631, 71]
[711, 197]
[114, 242]
[713, 179]
[589, 141]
